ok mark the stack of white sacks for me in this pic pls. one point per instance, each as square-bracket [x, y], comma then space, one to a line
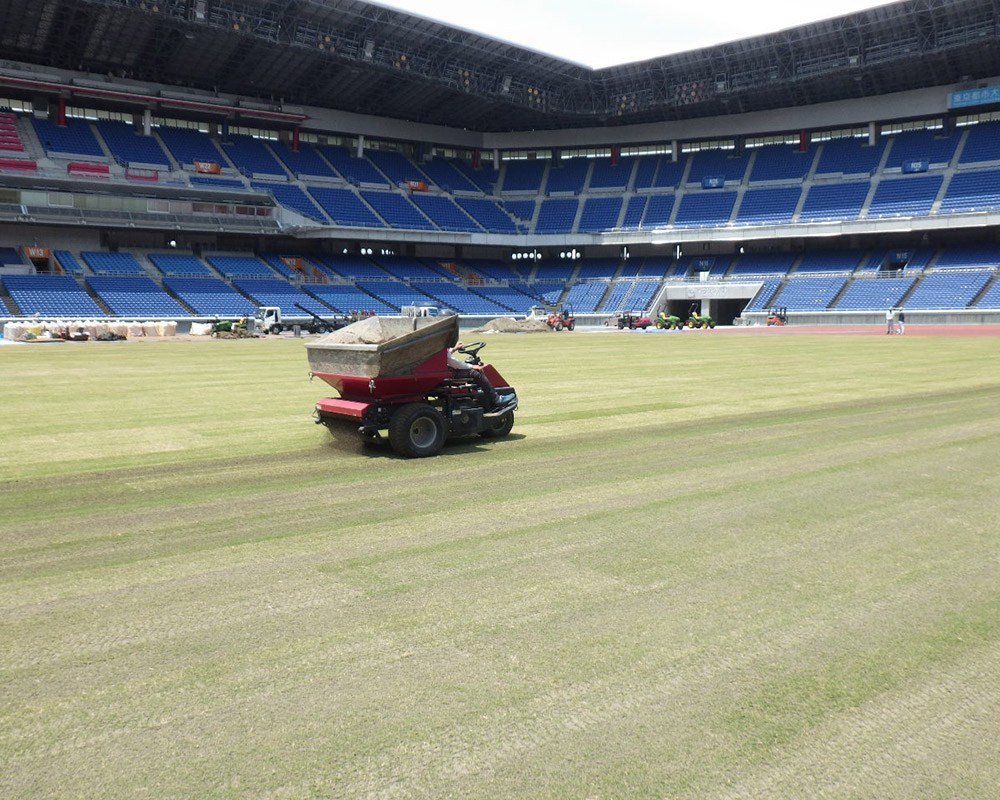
[49, 329]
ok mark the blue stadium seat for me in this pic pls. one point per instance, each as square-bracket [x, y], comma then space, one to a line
[210, 297]
[50, 296]
[770, 206]
[397, 210]
[129, 296]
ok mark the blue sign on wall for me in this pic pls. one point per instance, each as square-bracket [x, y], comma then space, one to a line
[974, 97]
[713, 182]
[915, 166]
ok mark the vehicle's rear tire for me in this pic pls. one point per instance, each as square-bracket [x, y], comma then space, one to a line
[571, 324]
[417, 430]
[559, 326]
[501, 427]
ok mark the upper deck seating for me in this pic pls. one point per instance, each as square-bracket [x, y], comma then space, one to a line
[305, 162]
[344, 207]
[10, 136]
[770, 206]
[214, 182]
[717, 164]
[781, 162]
[485, 178]
[443, 172]
[705, 209]
[972, 191]
[934, 147]
[179, 265]
[354, 169]
[850, 157]
[568, 175]
[411, 269]
[905, 197]
[971, 255]
[834, 201]
[130, 147]
[605, 175]
[103, 263]
[354, 267]
[444, 213]
[828, 261]
[50, 296]
[557, 214]
[252, 157]
[135, 296]
[397, 210]
[291, 196]
[188, 145]
[600, 214]
[658, 210]
[68, 262]
[523, 176]
[763, 264]
[76, 138]
[487, 213]
[240, 266]
[982, 143]
[635, 209]
[395, 166]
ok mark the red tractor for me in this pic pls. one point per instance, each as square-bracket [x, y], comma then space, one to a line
[392, 375]
[561, 320]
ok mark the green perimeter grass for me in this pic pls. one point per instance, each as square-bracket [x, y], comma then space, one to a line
[703, 565]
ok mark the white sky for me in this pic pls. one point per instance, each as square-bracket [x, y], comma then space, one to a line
[603, 33]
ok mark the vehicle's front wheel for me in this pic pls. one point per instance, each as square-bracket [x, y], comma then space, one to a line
[417, 430]
[501, 427]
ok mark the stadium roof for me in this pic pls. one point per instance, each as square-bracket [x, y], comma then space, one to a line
[365, 58]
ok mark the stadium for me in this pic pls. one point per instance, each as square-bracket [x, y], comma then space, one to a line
[704, 563]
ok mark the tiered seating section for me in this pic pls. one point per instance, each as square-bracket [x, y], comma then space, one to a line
[838, 180]
[159, 285]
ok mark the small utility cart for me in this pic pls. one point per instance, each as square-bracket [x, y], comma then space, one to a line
[392, 375]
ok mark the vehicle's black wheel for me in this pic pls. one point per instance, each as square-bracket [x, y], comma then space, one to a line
[559, 326]
[501, 427]
[571, 324]
[417, 430]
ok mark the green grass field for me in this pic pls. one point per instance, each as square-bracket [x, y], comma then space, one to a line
[703, 566]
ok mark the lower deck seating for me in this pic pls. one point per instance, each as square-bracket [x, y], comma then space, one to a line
[209, 297]
[138, 296]
[948, 289]
[281, 294]
[50, 296]
[347, 299]
[873, 294]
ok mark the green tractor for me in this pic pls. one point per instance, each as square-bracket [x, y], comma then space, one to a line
[698, 320]
[665, 321]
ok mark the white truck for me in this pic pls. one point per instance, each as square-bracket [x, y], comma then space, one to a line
[269, 319]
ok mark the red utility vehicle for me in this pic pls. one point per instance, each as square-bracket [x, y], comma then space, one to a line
[399, 381]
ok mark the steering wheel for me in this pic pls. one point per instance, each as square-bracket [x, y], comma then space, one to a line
[472, 351]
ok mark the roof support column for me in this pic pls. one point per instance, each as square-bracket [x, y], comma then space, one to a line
[873, 133]
[359, 148]
[147, 122]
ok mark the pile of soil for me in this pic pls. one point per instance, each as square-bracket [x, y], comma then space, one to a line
[511, 325]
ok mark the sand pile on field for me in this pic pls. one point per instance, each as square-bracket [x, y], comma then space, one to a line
[511, 325]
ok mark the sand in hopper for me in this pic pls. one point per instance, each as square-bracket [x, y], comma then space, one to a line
[511, 325]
